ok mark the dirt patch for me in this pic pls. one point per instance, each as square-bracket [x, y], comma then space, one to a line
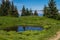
[56, 37]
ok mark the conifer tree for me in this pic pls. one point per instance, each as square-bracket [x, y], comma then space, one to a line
[27, 12]
[13, 10]
[3, 9]
[7, 7]
[16, 12]
[53, 11]
[35, 13]
[46, 9]
[0, 9]
[23, 11]
[30, 11]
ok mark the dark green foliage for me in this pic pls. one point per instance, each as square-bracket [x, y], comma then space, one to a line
[26, 12]
[31, 12]
[45, 11]
[35, 13]
[51, 11]
[10, 28]
[8, 9]
[14, 11]
[23, 11]
[3, 8]
[0, 9]
[58, 17]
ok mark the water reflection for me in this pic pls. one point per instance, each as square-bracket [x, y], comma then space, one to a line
[20, 28]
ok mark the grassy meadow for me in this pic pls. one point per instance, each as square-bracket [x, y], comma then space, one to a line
[51, 26]
[27, 21]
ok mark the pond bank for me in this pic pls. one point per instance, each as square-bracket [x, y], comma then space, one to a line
[22, 28]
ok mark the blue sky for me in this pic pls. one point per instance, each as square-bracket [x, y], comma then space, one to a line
[33, 4]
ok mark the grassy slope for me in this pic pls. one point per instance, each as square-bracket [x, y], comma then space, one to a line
[26, 21]
[29, 35]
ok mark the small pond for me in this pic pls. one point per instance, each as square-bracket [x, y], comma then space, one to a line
[21, 28]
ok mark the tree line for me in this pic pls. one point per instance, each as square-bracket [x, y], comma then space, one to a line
[51, 10]
[7, 8]
[27, 12]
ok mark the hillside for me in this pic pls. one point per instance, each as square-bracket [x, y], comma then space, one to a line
[51, 26]
[27, 21]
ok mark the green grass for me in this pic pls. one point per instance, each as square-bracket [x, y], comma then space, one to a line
[27, 35]
[29, 21]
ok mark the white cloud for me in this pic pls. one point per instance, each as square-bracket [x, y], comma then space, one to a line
[59, 11]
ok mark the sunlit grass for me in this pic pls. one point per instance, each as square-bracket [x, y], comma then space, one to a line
[27, 21]
[51, 27]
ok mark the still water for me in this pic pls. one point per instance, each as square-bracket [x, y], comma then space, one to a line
[20, 28]
[23, 28]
